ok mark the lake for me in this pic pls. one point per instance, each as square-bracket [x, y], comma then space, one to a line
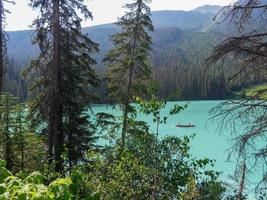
[209, 141]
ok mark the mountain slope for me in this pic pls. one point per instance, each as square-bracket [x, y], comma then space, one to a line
[21, 48]
[184, 20]
[227, 24]
[208, 9]
[179, 46]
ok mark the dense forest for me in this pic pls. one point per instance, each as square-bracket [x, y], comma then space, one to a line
[178, 69]
[52, 144]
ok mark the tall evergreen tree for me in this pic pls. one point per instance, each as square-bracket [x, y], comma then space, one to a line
[7, 124]
[20, 130]
[77, 126]
[5, 100]
[63, 70]
[3, 12]
[128, 62]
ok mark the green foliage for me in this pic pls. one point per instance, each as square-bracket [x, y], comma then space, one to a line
[4, 173]
[80, 186]
[60, 189]
[128, 62]
[35, 178]
[253, 92]
[120, 175]
[148, 167]
[7, 123]
[151, 167]
[175, 95]
[62, 80]
[131, 174]
[33, 187]
[21, 149]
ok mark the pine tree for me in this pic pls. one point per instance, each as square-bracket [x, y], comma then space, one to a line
[3, 12]
[1, 46]
[63, 70]
[5, 99]
[7, 123]
[27, 146]
[20, 131]
[128, 63]
[80, 79]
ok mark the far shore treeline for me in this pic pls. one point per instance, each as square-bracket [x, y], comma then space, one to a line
[177, 58]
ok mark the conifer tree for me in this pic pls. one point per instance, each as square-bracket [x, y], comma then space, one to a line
[63, 70]
[128, 63]
[7, 124]
[20, 130]
[3, 12]
[27, 147]
[77, 126]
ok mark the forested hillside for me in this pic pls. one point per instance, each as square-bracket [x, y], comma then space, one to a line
[172, 52]
[182, 40]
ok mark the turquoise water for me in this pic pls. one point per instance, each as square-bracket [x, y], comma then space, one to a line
[209, 142]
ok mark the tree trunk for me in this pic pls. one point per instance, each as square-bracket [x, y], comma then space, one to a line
[22, 154]
[55, 132]
[156, 161]
[128, 94]
[1, 47]
[21, 140]
[126, 110]
[7, 140]
[242, 181]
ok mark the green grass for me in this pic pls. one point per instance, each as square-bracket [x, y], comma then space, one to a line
[255, 91]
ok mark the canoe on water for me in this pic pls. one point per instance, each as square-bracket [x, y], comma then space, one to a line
[185, 125]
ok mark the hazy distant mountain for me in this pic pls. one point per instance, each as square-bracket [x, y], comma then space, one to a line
[19, 45]
[208, 9]
[21, 48]
[184, 20]
[228, 25]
